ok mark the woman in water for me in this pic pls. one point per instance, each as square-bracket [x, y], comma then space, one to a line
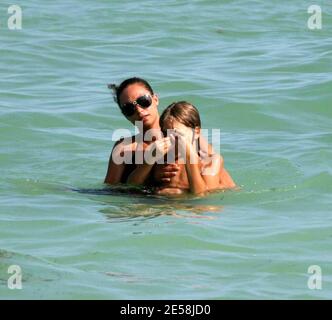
[137, 102]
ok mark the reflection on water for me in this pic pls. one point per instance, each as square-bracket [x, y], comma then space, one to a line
[178, 210]
[143, 204]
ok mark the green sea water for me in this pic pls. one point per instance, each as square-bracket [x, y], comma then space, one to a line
[254, 70]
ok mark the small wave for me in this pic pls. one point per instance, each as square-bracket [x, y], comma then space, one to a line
[115, 190]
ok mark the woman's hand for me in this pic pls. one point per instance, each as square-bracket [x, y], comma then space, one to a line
[157, 150]
[167, 172]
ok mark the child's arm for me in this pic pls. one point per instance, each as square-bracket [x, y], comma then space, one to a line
[196, 182]
[212, 164]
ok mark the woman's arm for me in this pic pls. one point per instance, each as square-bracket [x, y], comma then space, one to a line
[114, 171]
[142, 171]
[140, 174]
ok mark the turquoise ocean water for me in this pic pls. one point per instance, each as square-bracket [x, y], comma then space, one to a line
[253, 69]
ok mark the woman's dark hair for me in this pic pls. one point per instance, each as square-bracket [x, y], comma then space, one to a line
[117, 90]
[183, 112]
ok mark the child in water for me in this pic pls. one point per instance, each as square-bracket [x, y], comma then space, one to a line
[200, 169]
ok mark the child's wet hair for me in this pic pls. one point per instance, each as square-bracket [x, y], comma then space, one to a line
[117, 90]
[183, 112]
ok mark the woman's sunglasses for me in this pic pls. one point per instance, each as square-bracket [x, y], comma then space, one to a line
[129, 108]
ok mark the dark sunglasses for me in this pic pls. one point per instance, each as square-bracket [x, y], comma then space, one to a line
[129, 108]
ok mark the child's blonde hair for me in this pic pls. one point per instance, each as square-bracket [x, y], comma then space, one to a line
[183, 112]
